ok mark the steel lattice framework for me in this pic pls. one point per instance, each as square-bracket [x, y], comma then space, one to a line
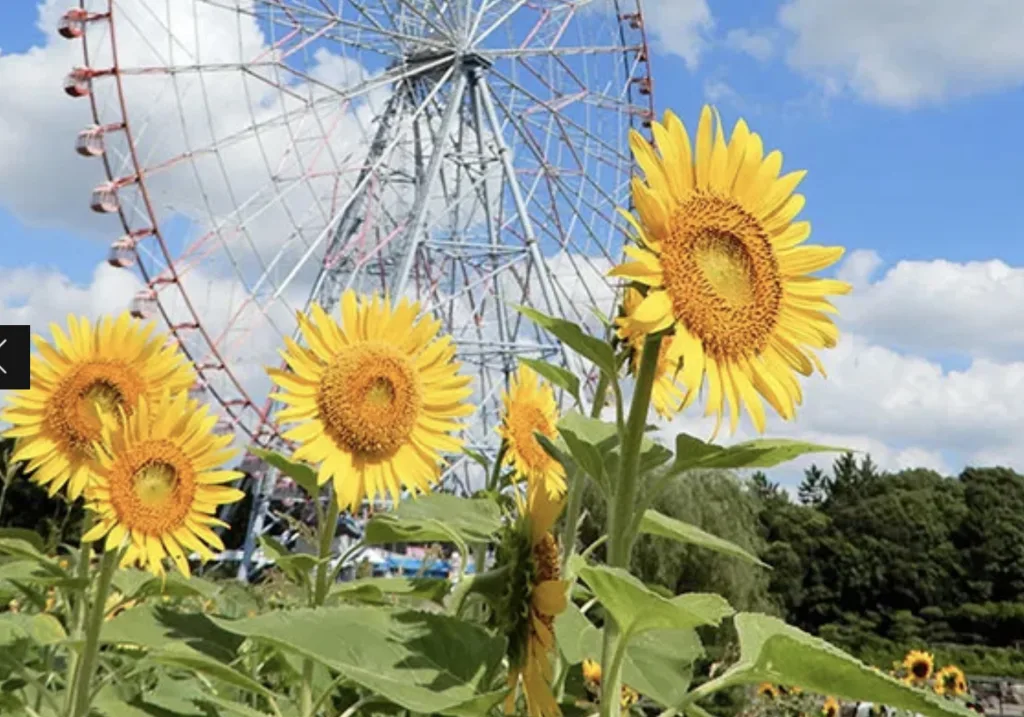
[264, 154]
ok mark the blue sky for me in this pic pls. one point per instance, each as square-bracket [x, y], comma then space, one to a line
[909, 139]
[935, 181]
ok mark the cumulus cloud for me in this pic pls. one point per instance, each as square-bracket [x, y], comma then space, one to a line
[759, 44]
[938, 307]
[680, 27]
[905, 52]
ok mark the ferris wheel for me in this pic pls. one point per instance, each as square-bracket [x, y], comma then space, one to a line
[261, 155]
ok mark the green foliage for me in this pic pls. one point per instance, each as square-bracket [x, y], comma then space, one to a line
[436, 517]
[654, 523]
[425, 663]
[772, 651]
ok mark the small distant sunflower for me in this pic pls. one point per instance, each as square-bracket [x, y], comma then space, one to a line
[159, 484]
[724, 267]
[767, 690]
[950, 680]
[667, 394]
[530, 408]
[535, 594]
[830, 708]
[376, 397]
[629, 697]
[91, 368]
[592, 681]
[919, 665]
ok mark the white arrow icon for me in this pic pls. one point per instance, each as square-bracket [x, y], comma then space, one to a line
[2, 342]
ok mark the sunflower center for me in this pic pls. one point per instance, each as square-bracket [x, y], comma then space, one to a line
[73, 413]
[546, 560]
[152, 487]
[722, 275]
[523, 421]
[154, 483]
[369, 399]
[920, 669]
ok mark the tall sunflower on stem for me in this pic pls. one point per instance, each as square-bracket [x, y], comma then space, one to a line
[376, 397]
[532, 593]
[724, 267]
[530, 408]
[106, 366]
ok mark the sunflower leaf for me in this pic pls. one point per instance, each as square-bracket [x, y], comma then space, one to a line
[772, 651]
[423, 662]
[304, 475]
[436, 517]
[636, 608]
[655, 523]
[658, 663]
[188, 641]
[693, 453]
[381, 590]
[570, 334]
[40, 628]
[565, 380]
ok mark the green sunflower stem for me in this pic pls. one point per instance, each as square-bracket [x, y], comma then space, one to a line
[321, 586]
[624, 495]
[78, 611]
[94, 623]
[621, 505]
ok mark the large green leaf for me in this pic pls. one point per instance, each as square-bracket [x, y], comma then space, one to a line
[379, 590]
[426, 663]
[570, 334]
[189, 641]
[32, 538]
[436, 517]
[693, 453]
[636, 608]
[658, 663]
[40, 628]
[565, 380]
[772, 651]
[304, 475]
[588, 439]
[655, 523]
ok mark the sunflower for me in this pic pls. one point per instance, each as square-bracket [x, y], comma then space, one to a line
[90, 368]
[629, 697]
[950, 680]
[535, 594]
[530, 408]
[919, 665]
[158, 483]
[376, 398]
[592, 681]
[767, 690]
[721, 257]
[830, 708]
[667, 394]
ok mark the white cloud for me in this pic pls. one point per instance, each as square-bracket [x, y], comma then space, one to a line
[907, 52]
[759, 44]
[938, 307]
[679, 27]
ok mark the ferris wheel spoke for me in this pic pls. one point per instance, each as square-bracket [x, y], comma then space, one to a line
[361, 184]
[563, 190]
